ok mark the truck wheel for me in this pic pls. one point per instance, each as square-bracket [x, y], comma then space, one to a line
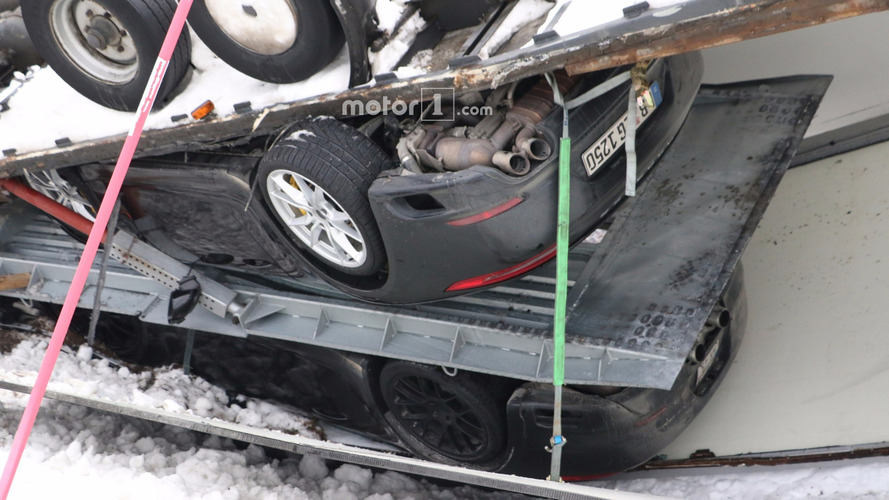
[278, 41]
[443, 418]
[106, 49]
[315, 183]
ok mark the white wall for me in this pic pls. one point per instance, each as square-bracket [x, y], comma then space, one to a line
[855, 51]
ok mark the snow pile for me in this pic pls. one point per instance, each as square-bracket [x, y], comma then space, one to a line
[522, 14]
[860, 479]
[169, 389]
[572, 16]
[77, 453]
[398, 42]
[46, 108]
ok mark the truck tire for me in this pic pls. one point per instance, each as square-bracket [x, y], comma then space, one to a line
[307, 36]
[315, 184]
[106, 49]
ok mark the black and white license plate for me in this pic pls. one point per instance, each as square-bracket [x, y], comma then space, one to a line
[614, 138]
[708, 361]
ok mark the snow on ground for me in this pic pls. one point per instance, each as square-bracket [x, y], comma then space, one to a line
[851, 479]
[75, 452]
[79, 372]
[80, 453]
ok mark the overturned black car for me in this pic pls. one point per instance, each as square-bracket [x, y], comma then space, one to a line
[402, 210]
[453, 416]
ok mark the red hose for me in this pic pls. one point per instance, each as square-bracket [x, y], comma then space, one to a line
[48, 205]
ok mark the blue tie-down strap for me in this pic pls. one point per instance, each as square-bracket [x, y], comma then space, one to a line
[556, 441]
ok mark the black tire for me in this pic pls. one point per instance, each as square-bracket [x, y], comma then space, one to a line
[317, 38]
[343, 163]
[58, 30]
[451, 419]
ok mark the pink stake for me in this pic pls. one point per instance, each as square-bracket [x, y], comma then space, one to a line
[89, 253]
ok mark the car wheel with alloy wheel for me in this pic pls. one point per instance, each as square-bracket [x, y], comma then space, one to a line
[451, 419]
[315, 183]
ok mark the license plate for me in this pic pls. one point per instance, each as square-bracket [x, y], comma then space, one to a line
[707, 363]
[613, 139]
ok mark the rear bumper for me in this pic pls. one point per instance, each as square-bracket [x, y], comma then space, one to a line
[608, 434]
[415, 212]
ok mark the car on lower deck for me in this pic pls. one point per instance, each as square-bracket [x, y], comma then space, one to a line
[451, 416]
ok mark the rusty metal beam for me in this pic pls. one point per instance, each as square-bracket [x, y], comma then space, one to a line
[698, 24]
[748, 21]
[704, 458]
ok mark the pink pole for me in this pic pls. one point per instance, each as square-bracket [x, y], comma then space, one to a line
[89, 253]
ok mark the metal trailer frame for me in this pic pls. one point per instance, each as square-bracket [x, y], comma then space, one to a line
[643, 35]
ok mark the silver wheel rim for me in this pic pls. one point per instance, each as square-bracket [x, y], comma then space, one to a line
[267, 27]
[316, 219]
[94, 40]
[50, 184]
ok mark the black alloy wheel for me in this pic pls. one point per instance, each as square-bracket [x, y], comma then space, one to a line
[451, 419]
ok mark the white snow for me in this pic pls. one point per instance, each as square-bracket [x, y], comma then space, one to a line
[386, 59]
[80, 373]
[523, 13]
[299, 134]
[388, 14]
[852, 479]
[46, 108]
[579, 15]
[78, 453]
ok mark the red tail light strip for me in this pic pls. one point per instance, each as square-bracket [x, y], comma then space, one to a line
[487, 214]
[505, 274]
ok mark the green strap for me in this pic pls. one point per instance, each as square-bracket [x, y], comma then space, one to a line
[558, 441]
[562, 261]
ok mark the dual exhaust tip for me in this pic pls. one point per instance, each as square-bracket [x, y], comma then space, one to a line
[520, 163]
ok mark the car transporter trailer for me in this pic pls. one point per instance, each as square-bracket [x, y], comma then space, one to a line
[636, 301]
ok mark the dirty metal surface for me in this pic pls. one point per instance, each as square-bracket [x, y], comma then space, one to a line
[672, 249]
[699, 24]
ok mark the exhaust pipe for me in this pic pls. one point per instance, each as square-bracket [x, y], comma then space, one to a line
[719, 317]
[512, 163]
[536, 149]
[518, 126]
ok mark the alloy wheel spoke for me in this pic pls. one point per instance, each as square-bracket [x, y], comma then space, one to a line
[289, 194]
[408, 391]
[343, 243]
